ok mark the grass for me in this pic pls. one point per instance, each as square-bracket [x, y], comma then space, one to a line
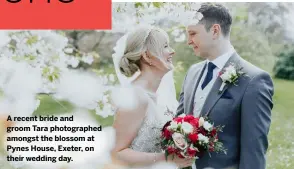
[281, 141]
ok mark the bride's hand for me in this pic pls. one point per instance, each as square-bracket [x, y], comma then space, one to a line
[180, 162]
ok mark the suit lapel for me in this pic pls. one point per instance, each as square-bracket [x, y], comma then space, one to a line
[214, 94]
[198, 77]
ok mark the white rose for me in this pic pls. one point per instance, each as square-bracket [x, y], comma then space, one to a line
[207, 126]
[201, 121]
[233, 72]
[230, 68]
[187, 127]
[180, 141]
[203, 138]
[225, 76]
[173, 126]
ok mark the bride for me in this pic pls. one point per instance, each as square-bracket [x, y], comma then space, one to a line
[145, 50]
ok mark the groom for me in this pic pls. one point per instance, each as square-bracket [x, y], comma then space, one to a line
[244, 109]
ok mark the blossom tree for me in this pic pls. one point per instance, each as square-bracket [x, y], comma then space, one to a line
[42, 62]
[173, 17]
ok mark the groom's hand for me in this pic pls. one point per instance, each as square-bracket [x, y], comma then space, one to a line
[255, 122]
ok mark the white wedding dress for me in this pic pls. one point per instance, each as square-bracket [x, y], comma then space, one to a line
[148, 136]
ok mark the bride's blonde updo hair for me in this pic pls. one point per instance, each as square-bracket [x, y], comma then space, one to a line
[140, 40]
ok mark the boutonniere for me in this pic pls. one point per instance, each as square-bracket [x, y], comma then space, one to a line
[230, 75]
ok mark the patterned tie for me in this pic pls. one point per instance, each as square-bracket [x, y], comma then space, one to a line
[209, 74]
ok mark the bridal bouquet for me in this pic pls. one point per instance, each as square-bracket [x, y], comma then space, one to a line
[188, 136]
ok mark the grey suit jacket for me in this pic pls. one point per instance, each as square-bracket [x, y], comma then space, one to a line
[245, 110]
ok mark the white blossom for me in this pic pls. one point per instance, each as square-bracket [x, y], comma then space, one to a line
[4, 38]
[74, 62]
[88, 59]
[126, 16]
[68, 50]
[181, 38]
[111, 78]
[81, 88]
[176, 32]
[119, 100]
[38, 62]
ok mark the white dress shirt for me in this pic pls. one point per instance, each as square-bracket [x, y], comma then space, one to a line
[201, 95]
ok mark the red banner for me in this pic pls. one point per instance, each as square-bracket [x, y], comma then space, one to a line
[55, 14]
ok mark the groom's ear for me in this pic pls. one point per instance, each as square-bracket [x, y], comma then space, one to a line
[216, 31]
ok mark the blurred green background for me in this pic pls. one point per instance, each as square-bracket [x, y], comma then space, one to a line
[259, 34]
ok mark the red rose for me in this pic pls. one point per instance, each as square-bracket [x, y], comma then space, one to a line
[166, 133]
[211, 147]
[195, 122]
[178, 119]
[213, 132]
[188, 118]
[193, 137]
[191, 152]
[166, 125]
[180, 155]
[171, 150]
[202, 131]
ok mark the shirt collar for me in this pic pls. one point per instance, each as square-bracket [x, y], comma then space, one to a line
[221, 60]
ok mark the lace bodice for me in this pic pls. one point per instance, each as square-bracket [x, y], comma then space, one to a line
[148, 136]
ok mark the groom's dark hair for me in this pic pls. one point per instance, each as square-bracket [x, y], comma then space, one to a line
[215, 13]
